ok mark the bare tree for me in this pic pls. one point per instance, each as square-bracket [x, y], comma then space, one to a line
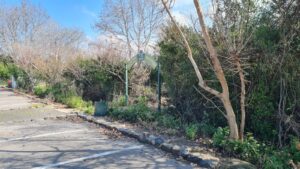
[216, 65]
[234, 22]
[19, 24]
[56, 46]
[35, 43]
[133, 21]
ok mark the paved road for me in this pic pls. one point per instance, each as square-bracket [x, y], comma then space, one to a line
[37, 143]
[10, 100]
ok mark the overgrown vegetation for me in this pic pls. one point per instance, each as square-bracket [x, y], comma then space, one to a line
[271, 69]
[264, 156]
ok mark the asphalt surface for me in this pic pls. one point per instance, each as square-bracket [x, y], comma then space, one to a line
[29, 141]
[10, 100]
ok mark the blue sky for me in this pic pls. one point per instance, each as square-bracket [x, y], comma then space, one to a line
[81, 14]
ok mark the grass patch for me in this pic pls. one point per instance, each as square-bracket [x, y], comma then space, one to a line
[74, 102]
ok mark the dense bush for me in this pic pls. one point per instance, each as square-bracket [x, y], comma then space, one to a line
[4, 72]
[181, 81]
[41, 90]
[74, 102]
[251, 150]
[169, 121]
[97, 81]
[88, 108]
[62, 90]
[133, 113]
[272, 96]
[8, 69]
[118, 102]
[141, 112]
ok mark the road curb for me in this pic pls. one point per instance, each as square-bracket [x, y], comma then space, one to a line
[158, 142]
[203, 160]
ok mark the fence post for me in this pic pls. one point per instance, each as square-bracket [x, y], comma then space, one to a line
[126, 84]
[158, 88]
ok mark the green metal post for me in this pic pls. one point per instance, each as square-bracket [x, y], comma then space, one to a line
[126, 84]
[158, 88]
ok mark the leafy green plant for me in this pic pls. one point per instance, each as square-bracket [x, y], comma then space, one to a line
[220, 137]
[251, 150]
[275, 160]
[191, 131]
[74, 102]
[62, 91]
[169, 121]
[4, 72]
[206, 129]
[248, 149]
[41, 90]
[119, 102]
[88, 108]
[133, 113]
[124, 114]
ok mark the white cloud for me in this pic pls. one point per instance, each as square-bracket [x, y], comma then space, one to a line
[183, 10]
[181, 18]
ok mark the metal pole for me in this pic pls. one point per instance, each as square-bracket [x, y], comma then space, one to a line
[126, 84]
[158, 88]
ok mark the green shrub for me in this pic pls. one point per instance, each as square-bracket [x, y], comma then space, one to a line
[191, 131]
[88, 108]
[74, 102]
[276, 160]
[207, 129]
[62, 91]
[78, 103]
[4, 72]
[142, 100]
[263, 156]
[248, 150]
[293, 149]
[41, 90]
[119, 102]
[133, 113]
[124, 114]
[220, 137]
[169, 121]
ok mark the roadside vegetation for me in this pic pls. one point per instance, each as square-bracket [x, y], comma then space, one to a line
[256, 47]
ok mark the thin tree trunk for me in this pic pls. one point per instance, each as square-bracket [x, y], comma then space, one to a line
[242, 96]
[231, 119]
[224, 96]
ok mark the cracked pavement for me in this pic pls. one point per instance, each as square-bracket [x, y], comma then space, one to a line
[29, 141]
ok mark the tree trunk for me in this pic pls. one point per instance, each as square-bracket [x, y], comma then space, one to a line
[224, 95]
[231, 119]
[242, 95]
